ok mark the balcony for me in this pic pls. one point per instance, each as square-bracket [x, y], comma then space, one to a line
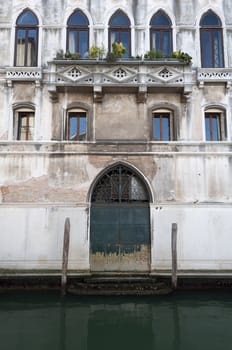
[100, 74]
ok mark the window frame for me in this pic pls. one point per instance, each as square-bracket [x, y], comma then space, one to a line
[211, 29]
[119, 29]
[220, 117]
[18, 115]
[161, 29]
[79, 114]
[171, 125]
[77, 28]
[26, 28]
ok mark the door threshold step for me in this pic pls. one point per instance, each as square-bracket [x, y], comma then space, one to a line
[119, 292]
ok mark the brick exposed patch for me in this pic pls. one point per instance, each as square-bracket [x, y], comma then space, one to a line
[37, 190]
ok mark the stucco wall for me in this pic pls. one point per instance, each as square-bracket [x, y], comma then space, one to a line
[32, 238]
[36, 242]
[47, 179]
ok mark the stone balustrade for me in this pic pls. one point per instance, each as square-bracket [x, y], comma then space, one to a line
[161, 73]
[214, 74]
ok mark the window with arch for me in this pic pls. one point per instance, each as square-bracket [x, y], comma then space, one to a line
[78, 33]
[211, 41]
[120, 185]
[163, 125]
[119, 31]
[26, 40]
[76, 125]
[161, 33]
[24, 123]
[215, 125]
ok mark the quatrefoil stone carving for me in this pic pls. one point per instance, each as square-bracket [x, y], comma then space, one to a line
[74, 73]
[120, 74]
[165, 73]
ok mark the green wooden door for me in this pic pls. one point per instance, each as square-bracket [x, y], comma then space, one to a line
[120, 238]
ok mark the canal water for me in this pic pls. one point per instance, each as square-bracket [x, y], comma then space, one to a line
[181, 321]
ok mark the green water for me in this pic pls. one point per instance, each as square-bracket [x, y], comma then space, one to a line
[184, 321]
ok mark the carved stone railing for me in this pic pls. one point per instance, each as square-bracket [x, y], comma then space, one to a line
[23, 74]
[214, 75]
[162, 73]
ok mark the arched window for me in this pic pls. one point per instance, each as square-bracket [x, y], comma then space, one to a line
[161, 33]
[26, 40]
[119, 31]
[76, 125]
[78, 33]
[211, 41]
[120, 184]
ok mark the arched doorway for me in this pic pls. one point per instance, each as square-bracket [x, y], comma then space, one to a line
[120, 222]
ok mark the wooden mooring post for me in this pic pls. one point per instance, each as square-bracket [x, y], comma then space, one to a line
[174, 255]
[65, 256]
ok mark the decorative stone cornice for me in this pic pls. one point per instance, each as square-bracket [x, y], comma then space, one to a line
[218, 75]
[23, 73]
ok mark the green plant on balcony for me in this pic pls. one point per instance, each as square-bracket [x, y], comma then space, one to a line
[118, 49]
[72, 55]
[110, 57]
[68, 54]
[96, 52]
[153, 54]
[75, 56]
[183, 56]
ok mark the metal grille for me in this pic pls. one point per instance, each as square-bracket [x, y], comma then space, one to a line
[118, 185]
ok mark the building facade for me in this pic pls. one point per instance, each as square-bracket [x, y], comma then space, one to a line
[123, 147]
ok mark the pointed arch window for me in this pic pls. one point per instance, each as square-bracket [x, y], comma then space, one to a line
[119, 31]
[26, 40]
[161, 33]
[78, 33]
[211, 41]
[120, 185]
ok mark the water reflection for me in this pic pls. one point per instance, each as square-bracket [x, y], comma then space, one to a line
[182, 321]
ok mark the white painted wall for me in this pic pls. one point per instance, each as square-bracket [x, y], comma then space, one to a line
[203, 238]
[32, 238]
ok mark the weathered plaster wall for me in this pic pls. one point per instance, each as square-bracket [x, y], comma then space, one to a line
[202, 233]
[38, 238]
[43, 182]
[66, 178]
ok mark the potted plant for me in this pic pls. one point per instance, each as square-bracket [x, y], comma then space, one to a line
[93, 51]
[183, 56]
[96, 52]
[110, 57]
[153, 54]
[68, 54]
[118, 49]
[75, 56]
